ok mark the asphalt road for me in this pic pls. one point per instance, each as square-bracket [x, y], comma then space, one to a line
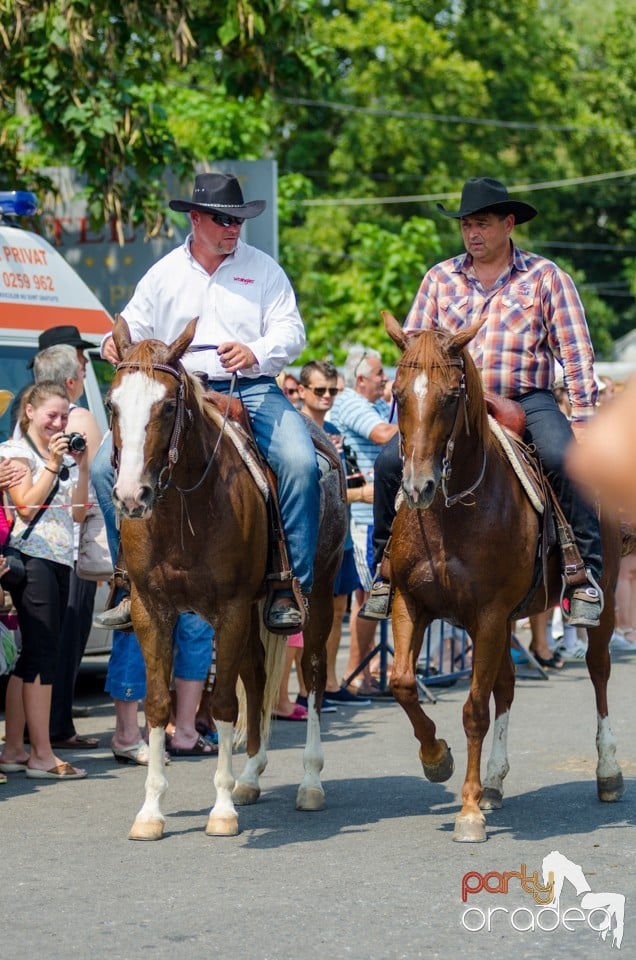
[376, 875]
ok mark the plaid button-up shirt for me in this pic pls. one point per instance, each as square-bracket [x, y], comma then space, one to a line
[534, 317]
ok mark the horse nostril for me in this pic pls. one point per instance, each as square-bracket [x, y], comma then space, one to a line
[145, 495]
[429, 489]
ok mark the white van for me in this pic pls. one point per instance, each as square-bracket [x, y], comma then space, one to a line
[39, 290]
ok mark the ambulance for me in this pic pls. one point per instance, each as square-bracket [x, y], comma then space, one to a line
[39, 290]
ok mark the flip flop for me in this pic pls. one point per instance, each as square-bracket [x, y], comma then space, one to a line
[63, 771]
[201, 748]
[298, 713]
[76, 743]
[13, 766]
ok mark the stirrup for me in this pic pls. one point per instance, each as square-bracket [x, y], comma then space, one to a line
[583, 605]
[379, 602]
[115, 618]
[284, 619]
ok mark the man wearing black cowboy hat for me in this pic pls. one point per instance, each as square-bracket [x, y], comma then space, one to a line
[66, 335]
[246, 305]
[533, 317]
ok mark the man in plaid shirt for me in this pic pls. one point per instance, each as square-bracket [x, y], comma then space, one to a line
[533, 317]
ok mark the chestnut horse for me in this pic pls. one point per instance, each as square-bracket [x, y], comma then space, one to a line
[194, 533]
[463, 549]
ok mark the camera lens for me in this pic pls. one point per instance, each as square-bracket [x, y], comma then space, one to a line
[76, 442]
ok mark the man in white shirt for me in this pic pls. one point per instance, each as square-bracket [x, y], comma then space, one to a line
[249, 321]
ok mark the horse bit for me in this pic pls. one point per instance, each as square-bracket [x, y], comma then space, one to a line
[462, 409]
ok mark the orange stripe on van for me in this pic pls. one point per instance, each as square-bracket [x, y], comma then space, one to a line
[28, 316]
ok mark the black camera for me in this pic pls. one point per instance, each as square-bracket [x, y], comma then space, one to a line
[76, 442]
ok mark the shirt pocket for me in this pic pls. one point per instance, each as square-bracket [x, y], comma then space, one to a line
[518, 312]
[454, 313]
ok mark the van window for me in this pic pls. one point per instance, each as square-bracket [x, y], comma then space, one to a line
[104, 372]
[14, 375]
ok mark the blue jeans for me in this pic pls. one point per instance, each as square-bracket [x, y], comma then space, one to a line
[284, 441]
[192, 637]
[550, 431]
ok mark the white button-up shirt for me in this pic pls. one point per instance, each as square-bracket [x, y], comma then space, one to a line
[247, 299]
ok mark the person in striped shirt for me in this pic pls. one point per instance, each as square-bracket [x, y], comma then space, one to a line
[533, 319]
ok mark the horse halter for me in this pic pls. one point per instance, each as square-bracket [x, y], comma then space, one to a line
[461, 418]
[165, 476]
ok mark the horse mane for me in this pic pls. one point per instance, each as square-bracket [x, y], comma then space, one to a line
[148, 353]
[433, 352]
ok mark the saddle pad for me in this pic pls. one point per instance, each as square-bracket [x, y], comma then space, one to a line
[243, 444]
[518, 464]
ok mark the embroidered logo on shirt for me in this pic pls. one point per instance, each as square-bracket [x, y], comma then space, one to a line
[243, 279]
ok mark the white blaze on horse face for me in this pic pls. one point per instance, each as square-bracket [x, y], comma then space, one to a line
[411, 477]
[133, 400]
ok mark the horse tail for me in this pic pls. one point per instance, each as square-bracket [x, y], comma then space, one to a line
[275, 647]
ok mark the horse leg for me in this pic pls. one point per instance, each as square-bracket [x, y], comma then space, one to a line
[154, 632]
[247, 788]
[231, 632]
[311, 795]
[609, 776]
[435, 755]
[498, 765]
[491, 639]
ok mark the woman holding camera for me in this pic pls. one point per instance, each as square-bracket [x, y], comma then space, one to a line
[47, 501]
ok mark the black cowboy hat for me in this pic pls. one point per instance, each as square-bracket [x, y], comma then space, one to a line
[55, 336]
[484, 193]
[219, 193]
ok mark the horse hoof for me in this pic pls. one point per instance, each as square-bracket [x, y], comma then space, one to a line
[310, 799]
[441, 771]
[491, 799]
[244, 794]
[146, 830]
[610, 789]
[222, 826]
[470, 829]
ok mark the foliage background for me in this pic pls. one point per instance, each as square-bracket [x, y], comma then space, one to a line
[359, 102]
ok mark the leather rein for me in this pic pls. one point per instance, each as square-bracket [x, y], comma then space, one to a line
[183, 414]
[461, 419]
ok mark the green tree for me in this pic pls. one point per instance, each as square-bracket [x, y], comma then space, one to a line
[109, 88]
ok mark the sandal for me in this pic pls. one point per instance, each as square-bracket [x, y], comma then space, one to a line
[555, 662]
[136, 753]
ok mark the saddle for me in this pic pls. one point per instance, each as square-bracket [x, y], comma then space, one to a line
[279, 573]
[507, 419]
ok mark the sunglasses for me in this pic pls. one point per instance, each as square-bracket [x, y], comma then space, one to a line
[224, 220]
[321, 391]
[364, 356]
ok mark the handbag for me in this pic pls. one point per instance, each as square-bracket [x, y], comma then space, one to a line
[16, 574]
[93, 557]
[355, 478]
[8, 650]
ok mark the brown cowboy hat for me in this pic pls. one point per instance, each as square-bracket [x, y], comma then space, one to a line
[219, 193]
[484, 193]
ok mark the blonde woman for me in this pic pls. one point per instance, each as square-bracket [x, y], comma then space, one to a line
[51, 495]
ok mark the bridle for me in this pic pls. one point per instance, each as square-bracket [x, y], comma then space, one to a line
[461, 419]
[181, 414]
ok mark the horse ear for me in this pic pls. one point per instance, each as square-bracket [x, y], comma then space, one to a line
[121, 336]
[457, 342]
[394, 330]
[179, 346]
